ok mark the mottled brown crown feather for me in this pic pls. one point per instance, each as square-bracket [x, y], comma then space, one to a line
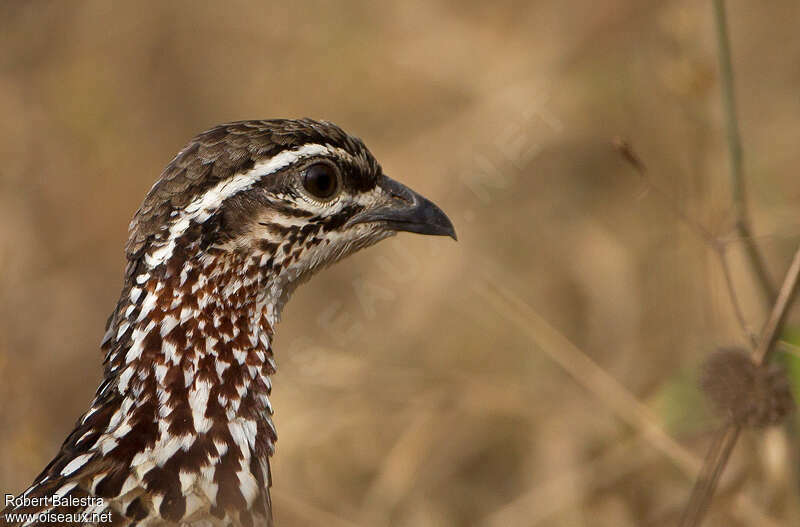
[221, 152]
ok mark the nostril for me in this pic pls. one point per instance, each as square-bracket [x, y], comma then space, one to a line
[402, 198]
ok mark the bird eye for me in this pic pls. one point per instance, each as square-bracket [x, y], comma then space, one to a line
[321, 180]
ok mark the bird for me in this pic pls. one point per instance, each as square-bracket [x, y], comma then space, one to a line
[180, 430]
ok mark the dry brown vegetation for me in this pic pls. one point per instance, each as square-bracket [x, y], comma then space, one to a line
[543, 370]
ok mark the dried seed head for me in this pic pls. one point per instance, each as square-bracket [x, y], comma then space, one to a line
[748, 394]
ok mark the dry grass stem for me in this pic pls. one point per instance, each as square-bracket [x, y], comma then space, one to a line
[739, 195]
[715, 243]
[721, 448]
[595, 379]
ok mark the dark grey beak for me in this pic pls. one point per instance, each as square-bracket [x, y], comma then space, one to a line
[405, 210]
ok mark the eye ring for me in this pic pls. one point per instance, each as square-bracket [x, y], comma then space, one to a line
[322, 181]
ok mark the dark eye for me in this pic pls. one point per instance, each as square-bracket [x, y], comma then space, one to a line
[321, 180]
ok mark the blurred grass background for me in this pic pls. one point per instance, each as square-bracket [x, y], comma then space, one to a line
[404, 395]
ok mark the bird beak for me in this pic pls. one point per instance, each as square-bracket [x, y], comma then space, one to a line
[405, 210]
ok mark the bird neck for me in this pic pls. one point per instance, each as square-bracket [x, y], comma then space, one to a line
[190, 345]
[181, 424]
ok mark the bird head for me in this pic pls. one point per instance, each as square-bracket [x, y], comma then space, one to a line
[287, 196]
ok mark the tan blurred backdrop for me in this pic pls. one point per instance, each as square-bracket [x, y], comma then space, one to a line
[407, 393]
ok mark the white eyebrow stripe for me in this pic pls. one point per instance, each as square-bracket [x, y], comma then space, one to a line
[203, 206]
[212, 198]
